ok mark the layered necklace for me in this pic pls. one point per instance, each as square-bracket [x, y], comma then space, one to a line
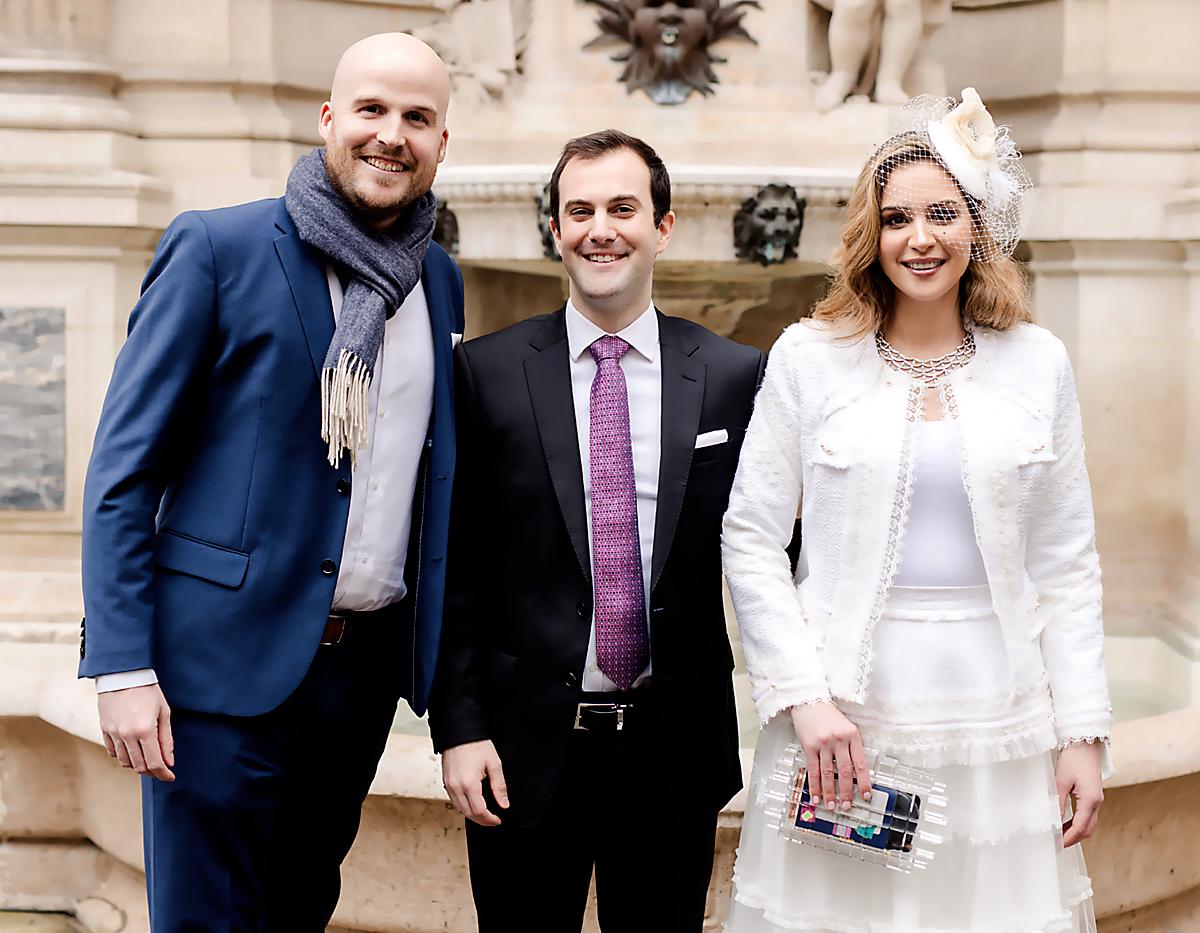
[930, 372]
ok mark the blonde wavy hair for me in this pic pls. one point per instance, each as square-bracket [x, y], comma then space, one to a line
[860, 297]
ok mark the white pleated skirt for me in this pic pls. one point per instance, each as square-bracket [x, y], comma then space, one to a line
[1002, 867]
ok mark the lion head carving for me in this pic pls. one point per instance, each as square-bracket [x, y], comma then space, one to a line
[669, 42]
[766, 228]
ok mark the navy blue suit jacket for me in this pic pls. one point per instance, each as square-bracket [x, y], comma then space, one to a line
[212, 521]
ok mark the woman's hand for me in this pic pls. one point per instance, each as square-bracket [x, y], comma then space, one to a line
[831, 746]
[1078, 775]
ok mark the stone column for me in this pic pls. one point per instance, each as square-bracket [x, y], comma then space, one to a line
[1189, 570]
[76, 224]
[1120, 309]
[55, 77]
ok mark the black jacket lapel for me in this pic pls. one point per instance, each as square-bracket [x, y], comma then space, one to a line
[682, 400]
[310, 288]
[548, 375]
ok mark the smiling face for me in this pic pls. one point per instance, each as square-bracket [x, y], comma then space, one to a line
[384, 125]
[925, 231]
[606, 234]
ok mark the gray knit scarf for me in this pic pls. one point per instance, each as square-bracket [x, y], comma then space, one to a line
[385, 266]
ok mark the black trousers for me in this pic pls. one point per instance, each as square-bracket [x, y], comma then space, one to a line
[252, 833]
[652, 863]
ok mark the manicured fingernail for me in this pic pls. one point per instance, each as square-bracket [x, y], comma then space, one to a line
[830, 804]
[846, 806]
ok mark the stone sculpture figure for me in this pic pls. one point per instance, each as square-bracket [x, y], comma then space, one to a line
[482, 43]
[669, 53]
[880, 36]
[766, 228]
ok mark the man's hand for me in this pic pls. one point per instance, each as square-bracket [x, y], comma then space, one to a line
[463, 769]
[1078, 775]
[136, 723]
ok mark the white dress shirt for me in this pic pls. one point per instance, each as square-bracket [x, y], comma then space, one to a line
[642, 366]
[399, 404]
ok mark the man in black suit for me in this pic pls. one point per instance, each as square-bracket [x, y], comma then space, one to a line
[583, 700]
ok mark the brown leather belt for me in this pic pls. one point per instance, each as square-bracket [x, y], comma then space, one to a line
[340, 627]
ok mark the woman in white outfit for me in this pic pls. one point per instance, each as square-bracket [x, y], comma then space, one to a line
[946, 603]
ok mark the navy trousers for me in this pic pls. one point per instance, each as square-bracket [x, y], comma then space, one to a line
[252, 833]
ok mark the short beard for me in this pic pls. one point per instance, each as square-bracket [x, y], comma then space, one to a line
[340, 176]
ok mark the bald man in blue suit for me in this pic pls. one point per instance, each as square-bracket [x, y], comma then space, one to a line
[258, 597]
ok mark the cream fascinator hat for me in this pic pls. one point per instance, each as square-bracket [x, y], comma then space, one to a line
[980, 156]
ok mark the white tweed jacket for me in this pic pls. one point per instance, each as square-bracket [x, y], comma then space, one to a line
[831, 440]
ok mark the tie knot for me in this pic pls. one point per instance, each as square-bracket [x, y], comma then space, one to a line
[607, 347]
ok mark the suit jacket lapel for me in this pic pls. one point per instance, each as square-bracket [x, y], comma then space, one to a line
[682, 399]
[548, 376]
[310, 288]
[438, 301]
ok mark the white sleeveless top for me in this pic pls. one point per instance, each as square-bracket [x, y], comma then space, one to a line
[939, 547]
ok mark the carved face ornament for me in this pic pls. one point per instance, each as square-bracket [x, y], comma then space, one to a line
[669, 42]
[766, 229]
[672, 31]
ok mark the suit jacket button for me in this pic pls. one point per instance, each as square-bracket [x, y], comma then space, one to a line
[343, 487]
[328, 567]
[571, 681]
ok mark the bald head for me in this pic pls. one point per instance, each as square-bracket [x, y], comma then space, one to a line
[384, 124]
[394, 58]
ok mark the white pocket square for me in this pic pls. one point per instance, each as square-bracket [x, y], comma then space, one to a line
[455, 340]
[710, 438]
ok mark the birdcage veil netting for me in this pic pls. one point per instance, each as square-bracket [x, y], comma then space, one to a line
[949, 166]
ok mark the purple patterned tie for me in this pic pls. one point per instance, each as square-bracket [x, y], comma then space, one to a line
[622, 643]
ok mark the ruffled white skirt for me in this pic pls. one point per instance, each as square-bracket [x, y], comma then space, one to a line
[1002, 867]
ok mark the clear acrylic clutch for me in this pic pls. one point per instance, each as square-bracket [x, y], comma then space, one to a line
[900, 827]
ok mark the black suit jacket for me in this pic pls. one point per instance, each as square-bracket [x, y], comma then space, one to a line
[519, 591]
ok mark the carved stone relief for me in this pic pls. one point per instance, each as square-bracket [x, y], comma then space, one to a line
[32, 409]
[879, 48]
[542, 201]
[717, 305]
[445, 228]
[766, 228]
[669, 52]
[482, 43]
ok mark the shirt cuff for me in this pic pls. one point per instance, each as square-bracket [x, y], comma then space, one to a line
[143, 677]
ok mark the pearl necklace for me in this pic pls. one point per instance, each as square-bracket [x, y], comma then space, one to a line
[930, 372]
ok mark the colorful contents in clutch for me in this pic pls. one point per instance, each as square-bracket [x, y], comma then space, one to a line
[894, 826]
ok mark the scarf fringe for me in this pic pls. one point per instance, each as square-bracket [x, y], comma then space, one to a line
[344, 407]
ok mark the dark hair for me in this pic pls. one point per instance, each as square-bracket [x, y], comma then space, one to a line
[595, 145]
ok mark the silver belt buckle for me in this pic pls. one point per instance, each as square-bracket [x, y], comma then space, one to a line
[619, 708]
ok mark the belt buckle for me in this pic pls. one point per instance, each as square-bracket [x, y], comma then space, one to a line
[618, 708]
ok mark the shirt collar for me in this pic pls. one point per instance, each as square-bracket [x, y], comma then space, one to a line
[641, 335]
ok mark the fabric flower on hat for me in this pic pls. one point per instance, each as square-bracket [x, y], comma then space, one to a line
[966, 141]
